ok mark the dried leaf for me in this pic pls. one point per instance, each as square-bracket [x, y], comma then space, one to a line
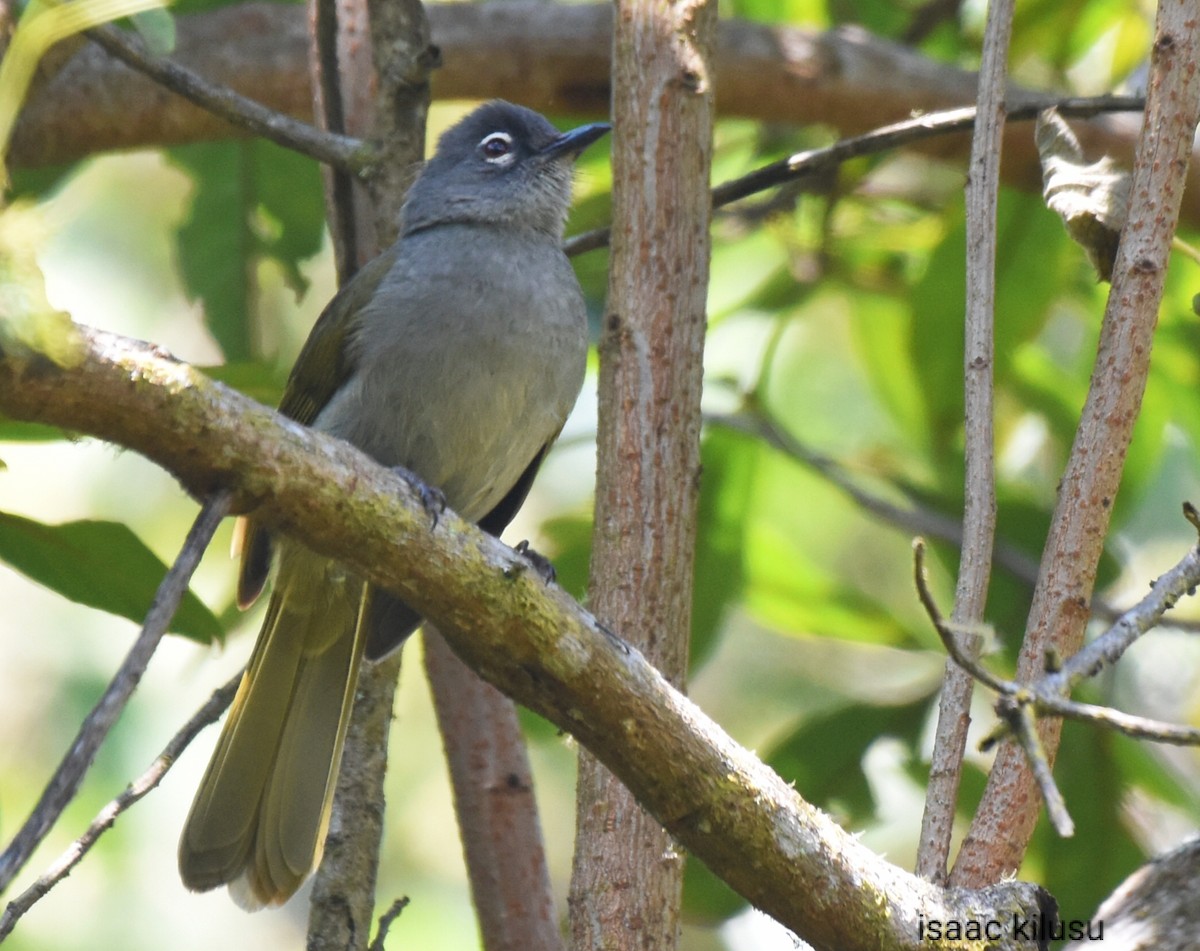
[1092, 199]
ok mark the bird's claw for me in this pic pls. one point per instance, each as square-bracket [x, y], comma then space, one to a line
[617, 641]
[539, 562]
[433, 500]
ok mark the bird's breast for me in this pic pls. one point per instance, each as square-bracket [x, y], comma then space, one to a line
[469, 357]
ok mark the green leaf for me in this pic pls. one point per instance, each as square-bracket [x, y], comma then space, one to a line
[570, 551]
[288, 191]
[101, 564]
[259, 380]
[792, 594]
[881, 325]
[180, 7]
[37, 182]
[15, 430]
[741, 269]
[1029, 275]
[1143, 765]
[793, 581]
[157, 30]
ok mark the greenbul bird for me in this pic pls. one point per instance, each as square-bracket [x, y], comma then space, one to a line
[456, 354]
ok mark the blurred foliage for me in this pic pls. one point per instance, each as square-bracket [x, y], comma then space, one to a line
[836, 311]
[253, 201]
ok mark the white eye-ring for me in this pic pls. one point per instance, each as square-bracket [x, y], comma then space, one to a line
[497, 148]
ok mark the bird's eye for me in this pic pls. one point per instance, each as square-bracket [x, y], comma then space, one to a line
[497, 147]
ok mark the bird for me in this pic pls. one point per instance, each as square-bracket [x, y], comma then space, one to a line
[456, 354]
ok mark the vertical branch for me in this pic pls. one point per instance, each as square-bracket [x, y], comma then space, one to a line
[1006, 816]
[343, 895]
[979, 516]
[626, 880]
[333, 64]
[404, 58]
[494, 802]
[371, 64]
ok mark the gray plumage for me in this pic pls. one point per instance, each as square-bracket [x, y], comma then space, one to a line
[458, 354]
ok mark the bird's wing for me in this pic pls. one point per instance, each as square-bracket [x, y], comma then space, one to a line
[323, 366]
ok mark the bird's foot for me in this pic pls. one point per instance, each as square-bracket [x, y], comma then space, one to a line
[433, 500]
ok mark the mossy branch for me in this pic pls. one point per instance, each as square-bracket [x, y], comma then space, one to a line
[531, 640]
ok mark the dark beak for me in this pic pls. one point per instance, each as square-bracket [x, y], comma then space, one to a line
[574, 142]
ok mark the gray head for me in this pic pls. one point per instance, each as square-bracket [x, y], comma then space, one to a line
[502, 164]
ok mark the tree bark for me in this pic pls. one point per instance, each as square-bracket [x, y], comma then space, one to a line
[979, 510]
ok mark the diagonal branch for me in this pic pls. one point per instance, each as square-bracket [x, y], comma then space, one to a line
[530, 640]
[924, 128]
[1020, 705]
[241, 111]
[135, 791]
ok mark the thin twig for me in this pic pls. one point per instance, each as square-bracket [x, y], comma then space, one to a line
[66, 779]
[1022, 721]
[946, 630]
[1107, 649]
[385, 922]
[340, 151]
[979, 489]
[1020, 705]
[1049, 693]
[883, 139]
[1138, 728]
[1012, 710]
[62, 866]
